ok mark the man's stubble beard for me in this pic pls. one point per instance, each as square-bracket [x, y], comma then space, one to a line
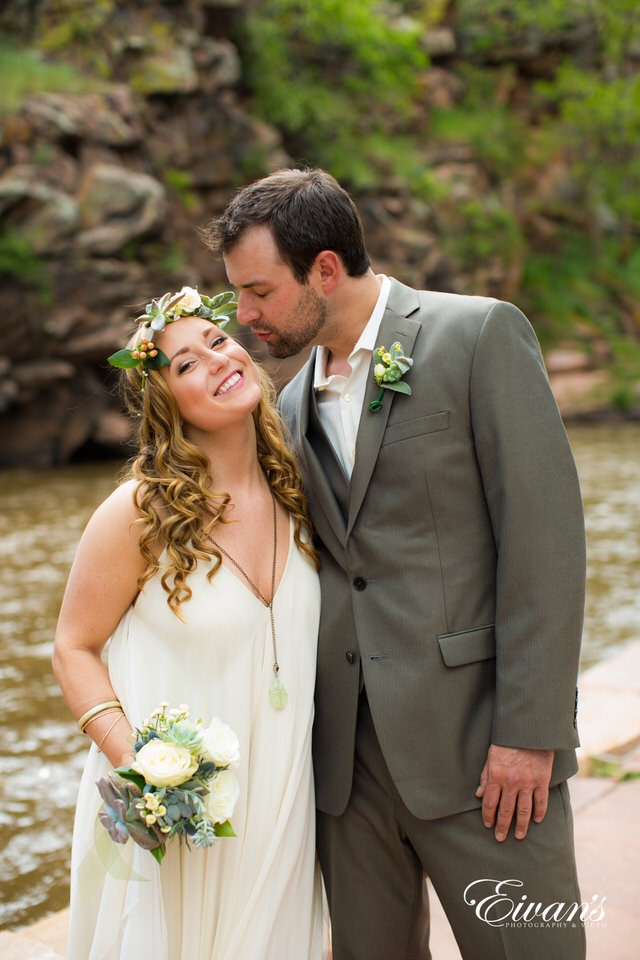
[309, 317]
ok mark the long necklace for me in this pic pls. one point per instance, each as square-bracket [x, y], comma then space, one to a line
[277, 692]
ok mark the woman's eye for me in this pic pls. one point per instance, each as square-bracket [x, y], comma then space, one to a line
[216, 342]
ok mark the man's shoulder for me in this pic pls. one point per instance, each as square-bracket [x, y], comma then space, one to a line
[438, 299]
[440, 309]
[289, 397]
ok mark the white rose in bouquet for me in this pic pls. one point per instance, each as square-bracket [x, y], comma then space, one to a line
[222, 797]
[220, 744]
[164, 764]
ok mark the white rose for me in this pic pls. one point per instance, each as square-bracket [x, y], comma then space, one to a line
[220, 744]
[223, 796]
[379, 371]
[164, 764]
[189, 301]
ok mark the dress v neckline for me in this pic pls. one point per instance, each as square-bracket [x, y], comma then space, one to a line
[228, 568]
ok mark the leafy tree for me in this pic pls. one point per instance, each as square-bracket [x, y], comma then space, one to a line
[597, 120]
[487, 25]
[338, 79]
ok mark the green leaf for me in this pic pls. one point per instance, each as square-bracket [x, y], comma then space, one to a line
[224, 829]
[399, 387]
[158, 853]
[122, 359]
[128, 774]
[152, 363]
[403, 364]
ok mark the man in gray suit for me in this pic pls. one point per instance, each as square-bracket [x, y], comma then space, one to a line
[448, 513]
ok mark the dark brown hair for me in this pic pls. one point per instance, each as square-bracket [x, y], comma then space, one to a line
[307, 211]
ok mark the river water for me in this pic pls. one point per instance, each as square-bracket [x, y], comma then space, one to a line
[41, 753]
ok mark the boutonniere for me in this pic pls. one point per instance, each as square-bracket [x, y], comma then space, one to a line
[389, 369]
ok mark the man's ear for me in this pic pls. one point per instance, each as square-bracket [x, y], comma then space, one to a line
[328, 268]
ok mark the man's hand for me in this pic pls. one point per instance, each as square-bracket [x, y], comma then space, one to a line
[514, 781]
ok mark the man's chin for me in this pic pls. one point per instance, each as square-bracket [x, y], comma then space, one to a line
[282, 351]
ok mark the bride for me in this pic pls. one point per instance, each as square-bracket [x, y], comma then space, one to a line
[195, 582]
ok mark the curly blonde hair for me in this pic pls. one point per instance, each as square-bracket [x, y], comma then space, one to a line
[174, 494]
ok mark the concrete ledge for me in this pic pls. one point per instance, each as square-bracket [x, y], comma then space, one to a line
[609, 708]
[45, 940]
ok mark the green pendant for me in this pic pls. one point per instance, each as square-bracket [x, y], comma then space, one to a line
[278, 695]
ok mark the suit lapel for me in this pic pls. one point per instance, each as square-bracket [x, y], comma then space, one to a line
[328, 519]
[396, 325]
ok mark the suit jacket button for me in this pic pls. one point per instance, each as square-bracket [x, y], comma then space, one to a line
[360, 583]
[351, 657]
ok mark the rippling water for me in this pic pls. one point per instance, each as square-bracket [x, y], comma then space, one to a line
[608, 459]
[41, 753]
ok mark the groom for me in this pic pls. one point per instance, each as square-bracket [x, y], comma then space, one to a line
[450, 527]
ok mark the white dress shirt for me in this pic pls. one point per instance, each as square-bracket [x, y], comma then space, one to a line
[340, 399]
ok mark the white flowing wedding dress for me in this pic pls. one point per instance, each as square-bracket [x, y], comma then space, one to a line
[256, 896]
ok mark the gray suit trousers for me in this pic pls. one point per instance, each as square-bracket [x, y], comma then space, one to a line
[516, 900]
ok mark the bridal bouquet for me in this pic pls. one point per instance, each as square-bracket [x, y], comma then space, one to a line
[179, 785]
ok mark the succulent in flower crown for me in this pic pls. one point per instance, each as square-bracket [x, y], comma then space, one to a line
[145, 355]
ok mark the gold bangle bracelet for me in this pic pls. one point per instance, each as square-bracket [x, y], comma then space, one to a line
[115, 723]
[94, 711]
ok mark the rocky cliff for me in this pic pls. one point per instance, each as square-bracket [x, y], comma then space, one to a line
[102, 192]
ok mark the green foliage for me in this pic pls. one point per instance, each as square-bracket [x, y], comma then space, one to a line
[559, 289]
[489, 24]
[599, 123]
[180, 183]
[480, 229]
[67, 24]
[364, 160]
[496, 133]
[332, 76]
[24, 71]
[171, 258]
[19, 263]
[618, 24]
[566, 292]
[625, 368]
[344, 84]
[611, 767]
[568, 286]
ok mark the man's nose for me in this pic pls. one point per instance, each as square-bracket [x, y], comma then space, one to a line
[246, 313]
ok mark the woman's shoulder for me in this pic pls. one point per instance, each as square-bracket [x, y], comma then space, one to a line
[123, 499]
[112, 533]
[118, 511]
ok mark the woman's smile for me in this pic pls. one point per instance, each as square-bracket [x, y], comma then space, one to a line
[229, 383]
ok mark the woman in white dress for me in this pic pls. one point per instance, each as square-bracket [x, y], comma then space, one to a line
[195, 583]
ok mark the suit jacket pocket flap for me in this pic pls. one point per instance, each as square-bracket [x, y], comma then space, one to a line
[468, 646]
[416, 427]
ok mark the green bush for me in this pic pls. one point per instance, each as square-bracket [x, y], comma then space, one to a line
[19, 263]
[337, 78]
[24, 71]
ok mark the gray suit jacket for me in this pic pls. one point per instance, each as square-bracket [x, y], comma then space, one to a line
[453, 563]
